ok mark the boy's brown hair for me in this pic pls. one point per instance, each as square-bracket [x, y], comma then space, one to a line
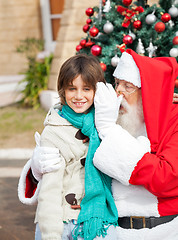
[87, 66]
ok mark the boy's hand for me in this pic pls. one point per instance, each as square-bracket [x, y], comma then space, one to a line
[44, 159]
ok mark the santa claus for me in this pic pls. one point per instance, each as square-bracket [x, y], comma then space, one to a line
[139, 147]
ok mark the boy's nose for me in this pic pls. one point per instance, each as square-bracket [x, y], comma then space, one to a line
[78, 95]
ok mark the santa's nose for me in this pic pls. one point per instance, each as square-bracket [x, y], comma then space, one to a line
[119, 91]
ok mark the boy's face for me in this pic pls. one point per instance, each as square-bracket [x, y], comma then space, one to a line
[79, 96]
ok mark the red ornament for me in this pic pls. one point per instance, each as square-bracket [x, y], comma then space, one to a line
[78, 48]
[175, 40]
[83, 42]
[159, 27]
[127, 39]
[89, 43]
[126, 2]
[86, 27]
[103, 66]
[166, 17]
[96, 50]
[137, 24]
[104, 2]
[89, 21]
[89, 11]
[94, 31]
[176, 83]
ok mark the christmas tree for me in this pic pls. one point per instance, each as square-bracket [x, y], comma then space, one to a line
[116, 25]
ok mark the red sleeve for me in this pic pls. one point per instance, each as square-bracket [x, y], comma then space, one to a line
[31, 185]
[158, 173]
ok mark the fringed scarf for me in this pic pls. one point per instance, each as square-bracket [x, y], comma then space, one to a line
[98, 210]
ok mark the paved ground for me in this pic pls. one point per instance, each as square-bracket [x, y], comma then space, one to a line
[16, 219]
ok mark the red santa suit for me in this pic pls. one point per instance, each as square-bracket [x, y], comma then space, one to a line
[145, 169]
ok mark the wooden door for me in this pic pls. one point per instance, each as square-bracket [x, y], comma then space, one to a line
[56, 9]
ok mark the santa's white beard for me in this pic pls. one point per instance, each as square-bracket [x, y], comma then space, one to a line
[131, 118]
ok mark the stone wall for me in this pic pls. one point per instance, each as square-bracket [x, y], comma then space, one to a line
[70, 33]
[19, 19]
[150, 2]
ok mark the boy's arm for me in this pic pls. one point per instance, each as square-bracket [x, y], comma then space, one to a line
[50, 211]
[44, 159]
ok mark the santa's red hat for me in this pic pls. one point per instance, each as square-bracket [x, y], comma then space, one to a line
[127, 70]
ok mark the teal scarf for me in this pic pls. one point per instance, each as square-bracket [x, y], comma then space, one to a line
[98, 210]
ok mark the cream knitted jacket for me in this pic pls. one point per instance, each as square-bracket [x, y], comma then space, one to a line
[65, 187]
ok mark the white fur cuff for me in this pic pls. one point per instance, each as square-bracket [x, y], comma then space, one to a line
[22, 186]
[127, 70]
[119, 153]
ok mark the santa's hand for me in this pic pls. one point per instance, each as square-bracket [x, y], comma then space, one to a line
[106, 108]
[44, 159]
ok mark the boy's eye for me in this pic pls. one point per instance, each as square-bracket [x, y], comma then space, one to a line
[71, 88]
[87, 89]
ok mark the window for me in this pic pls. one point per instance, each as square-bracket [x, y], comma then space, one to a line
[51, 11]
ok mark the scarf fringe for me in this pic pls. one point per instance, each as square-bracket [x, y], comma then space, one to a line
[92, 228]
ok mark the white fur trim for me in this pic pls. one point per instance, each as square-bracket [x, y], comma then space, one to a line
[119, 153]
[22, 186]
[134, 200]
[166, 231]
[127, 70]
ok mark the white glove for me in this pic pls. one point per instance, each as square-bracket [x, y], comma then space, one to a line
[106, 108]
[44, 159]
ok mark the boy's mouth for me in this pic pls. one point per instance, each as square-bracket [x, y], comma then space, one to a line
[79, 103]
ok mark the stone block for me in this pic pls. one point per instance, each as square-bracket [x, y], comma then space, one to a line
[80, 4]
[74, 16]
[12, 63]
[5, 57]
[20, 34]
[9, 68]
[16, 11]
[70, 33]
[151, 2]
[66, 50]
[4, 3]
[55, 66]
[19, 23]
[6, 47]
[52, 83]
